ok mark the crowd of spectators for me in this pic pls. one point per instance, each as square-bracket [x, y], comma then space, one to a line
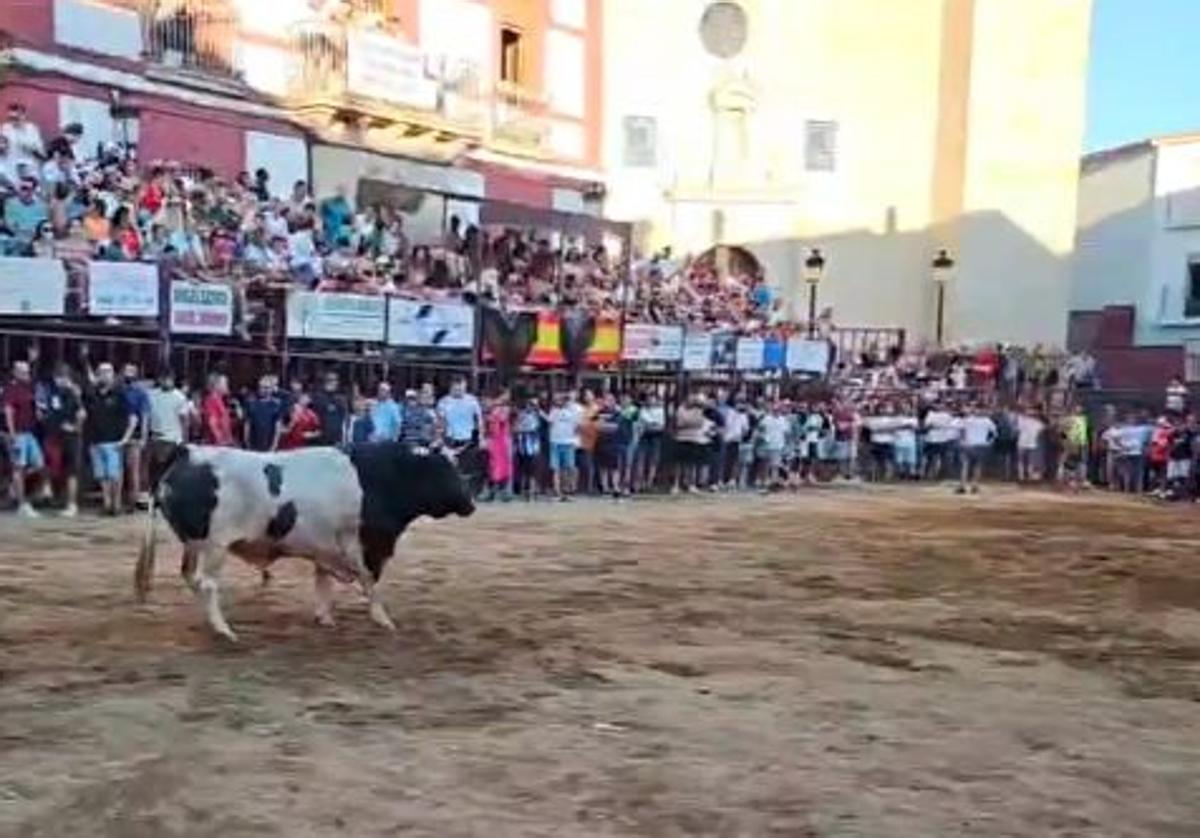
[61, 200]
[531, 443]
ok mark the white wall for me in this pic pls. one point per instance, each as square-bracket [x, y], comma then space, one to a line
[284, 158]
[97, 28]
[1116, 222]
[1025, 137]
[1172, 242]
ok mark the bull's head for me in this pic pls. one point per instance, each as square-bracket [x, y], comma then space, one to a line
[435, 485]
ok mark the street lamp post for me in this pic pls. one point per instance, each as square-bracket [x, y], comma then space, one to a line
[943, 269]
[814, 267]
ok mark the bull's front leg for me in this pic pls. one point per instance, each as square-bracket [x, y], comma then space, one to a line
[352, 549]
[323, 585]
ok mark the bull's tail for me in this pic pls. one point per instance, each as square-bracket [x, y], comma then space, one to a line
[143, 575]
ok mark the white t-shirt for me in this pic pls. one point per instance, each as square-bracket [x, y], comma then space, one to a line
[167, 409]
[978, 431]
[736, 425]
[940, 428]
[564, 424]
[24, 141]
[1029, 432]
[654, 418]
[774, 431]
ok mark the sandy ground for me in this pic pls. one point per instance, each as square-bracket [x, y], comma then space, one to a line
[842, 663]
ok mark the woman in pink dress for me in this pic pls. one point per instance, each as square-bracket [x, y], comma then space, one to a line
[499, 446]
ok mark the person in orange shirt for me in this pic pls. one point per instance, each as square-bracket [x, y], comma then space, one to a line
[96, 225]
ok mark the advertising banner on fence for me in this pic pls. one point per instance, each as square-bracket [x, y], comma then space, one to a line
[724, 350]
[774, 354]
[336, 316]
[122, 289]
[32, 286]
[652, 343]
[811, 356]
[201, 308]
[697, 351]
[430, 325]
[750, 353]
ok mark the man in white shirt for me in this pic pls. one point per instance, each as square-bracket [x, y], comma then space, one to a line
[978, 434]
[461, 415]
[565, 418]
[941, 436]
[1029, 445]
[170, 415]
[772, 434]
[737, 423]
[24, 138]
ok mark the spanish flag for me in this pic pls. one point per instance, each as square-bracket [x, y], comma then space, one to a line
[605, 347]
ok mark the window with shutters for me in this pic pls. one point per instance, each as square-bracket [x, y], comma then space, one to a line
[641, 141]
[820, 145]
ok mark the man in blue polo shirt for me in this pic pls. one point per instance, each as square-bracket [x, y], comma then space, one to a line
[138, 400]
[386, 416]
[462, 418]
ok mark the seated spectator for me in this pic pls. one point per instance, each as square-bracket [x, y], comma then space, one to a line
[25, 212]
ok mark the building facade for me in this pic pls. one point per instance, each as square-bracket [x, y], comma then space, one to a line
[1135, 293]
[876, 131]
[447, 103]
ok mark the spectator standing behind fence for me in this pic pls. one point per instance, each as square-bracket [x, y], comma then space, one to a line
[62, 424]
[772, 435]
[386, 416]
[265, 417]
[20, 423]
[527, 442]
[609, 446]
[585, 456]
[978, 437]
[629, 433]
[215, 418]
[565, 419]
[110, 426]
[461, 415]
[303, 427]
[332, 411]
[1030, 428]
[418, 421]
[171, 417]
[139, 408]
[654, 426]
[499, 446]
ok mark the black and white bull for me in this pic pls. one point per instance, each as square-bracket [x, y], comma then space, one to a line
[343, 509]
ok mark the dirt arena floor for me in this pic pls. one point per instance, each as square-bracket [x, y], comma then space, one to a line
[849, 662]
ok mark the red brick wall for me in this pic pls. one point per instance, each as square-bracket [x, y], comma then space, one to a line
[1139, 367]
[29, 22]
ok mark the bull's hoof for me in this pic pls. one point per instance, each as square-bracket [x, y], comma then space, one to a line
[381, 618]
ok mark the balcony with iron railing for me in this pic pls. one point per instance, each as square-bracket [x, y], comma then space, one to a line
[348, 68]
[520, 123]
[191, 37]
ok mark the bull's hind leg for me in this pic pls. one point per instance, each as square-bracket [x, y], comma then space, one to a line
[210, 561]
